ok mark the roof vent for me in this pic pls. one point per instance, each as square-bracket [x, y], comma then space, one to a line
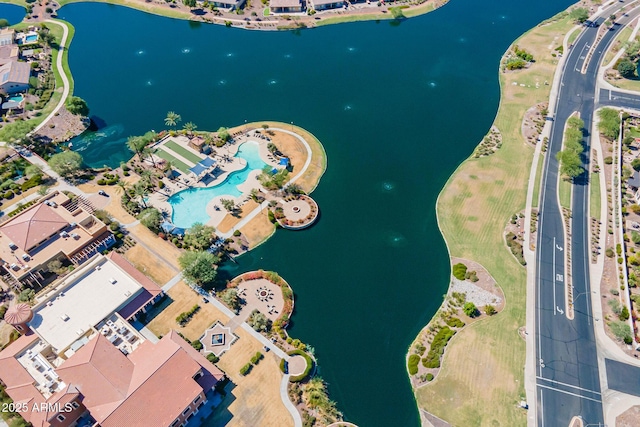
[112, 280]
[49, 303]
[64, 317]
[13, 246]
[25, 257]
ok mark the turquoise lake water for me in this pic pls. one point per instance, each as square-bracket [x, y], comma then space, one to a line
[189, 206]
[11, 13]
[397, 107]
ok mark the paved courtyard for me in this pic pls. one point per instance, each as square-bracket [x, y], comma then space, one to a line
[262, 295]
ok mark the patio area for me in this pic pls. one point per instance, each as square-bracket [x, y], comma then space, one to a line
[261, 295]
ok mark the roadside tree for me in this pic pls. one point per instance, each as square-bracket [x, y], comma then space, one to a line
[627, 69]
[66, 163]
[198, 267]
[77, 106]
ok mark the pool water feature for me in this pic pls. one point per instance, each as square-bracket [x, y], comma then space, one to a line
[190, 206]
[16, 98]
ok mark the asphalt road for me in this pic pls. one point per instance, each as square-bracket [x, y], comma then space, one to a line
[567, 377]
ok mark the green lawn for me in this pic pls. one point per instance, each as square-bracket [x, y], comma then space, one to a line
[266, 12]
[536, 185]
[179, 149]
[594, 190]
[564, 193]
[574, 36]
[634, 132]
[175, 162]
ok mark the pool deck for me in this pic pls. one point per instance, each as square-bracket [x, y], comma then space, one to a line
[227, 163]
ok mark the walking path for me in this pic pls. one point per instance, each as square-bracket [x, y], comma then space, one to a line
[238, 321]
[63, 75]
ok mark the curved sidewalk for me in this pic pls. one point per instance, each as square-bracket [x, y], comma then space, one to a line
[63, 75]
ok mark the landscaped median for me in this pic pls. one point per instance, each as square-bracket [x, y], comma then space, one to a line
[481, 379]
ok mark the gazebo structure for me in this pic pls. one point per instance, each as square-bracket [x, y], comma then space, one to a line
[18, 316]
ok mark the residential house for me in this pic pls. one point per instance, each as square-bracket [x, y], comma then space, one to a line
[8, 54]
[285, 6]
[14, 77]
[7, 36]
[229, 4]
[327, 4]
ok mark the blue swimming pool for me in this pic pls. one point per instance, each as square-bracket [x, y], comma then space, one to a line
[31, 38]
[190, 206]
[16, 98]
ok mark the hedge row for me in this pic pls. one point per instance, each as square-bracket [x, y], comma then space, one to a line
[432, 360]
[307, 370]
[187, 315]
[246, 369]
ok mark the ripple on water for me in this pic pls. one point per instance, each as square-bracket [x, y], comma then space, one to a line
[432, 84]
[388, 186]
[351, 49]
[230, 54]
[149, 83]
[395, 239]
[287, 55]
[140, 52]
[222, 82]
[272, 82]
[348, 107]
[185, 50]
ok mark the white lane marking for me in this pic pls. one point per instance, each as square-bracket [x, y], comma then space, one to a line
[568, 385]
[567, 392]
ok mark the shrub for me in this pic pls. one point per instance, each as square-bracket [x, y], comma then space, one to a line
[624, 313]
[257, 358]
[608, 160]
[609, 253]
[196, 344]
[470, 309]
[615, 306]
[3, 310]
[212, 358]
[490, 310]
[454, 322]
[459, 271]
[237, 233]
[621, 331]
[246, 369]
[429, 376]
[283, 366]
[412, 364]
[440, 340]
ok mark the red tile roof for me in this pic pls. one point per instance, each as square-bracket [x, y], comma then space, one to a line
[100, 371]
[33, 226]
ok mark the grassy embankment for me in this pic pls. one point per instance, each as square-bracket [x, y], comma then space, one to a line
[481, 381]
[8, 132]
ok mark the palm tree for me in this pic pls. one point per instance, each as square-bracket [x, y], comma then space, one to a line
[189, 127]
[147, 153]
[135, 144]
[122, 186]
[172, 118]
[254, 194]
[140, 191]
